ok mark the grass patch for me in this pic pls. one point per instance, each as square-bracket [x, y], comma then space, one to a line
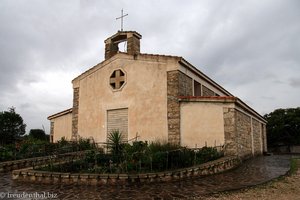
[295, 162]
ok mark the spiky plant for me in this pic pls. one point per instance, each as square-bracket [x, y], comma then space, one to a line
[116, 144]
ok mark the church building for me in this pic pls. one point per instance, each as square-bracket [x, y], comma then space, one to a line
[158, 98]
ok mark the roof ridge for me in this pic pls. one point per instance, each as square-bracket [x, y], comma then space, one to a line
[164, 55]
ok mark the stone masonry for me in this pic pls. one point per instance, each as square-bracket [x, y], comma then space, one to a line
[209, 168]
[178, 84]
[229, 131]
[244, 135]
[133, 43]
[264, 137]
[185, 85]
[75, 113]
[244, 138]
[206, 92]
[257, 143]
[51, 131]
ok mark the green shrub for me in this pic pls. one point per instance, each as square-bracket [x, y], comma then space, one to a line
[159, 146]
[139, 157]
[90, 157]
[181, 158]
[6, 153]
[207, 154]
[159, 161]
[85, 144]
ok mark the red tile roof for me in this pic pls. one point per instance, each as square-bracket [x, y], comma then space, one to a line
[209, 97]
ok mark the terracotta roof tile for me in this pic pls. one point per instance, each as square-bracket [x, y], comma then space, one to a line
[208, 97]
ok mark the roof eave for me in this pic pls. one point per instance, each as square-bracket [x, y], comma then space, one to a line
[197, 71]
[59, 114]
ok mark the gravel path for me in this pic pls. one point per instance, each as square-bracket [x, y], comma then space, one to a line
[285, 188]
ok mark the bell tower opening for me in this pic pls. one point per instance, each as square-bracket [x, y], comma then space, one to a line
[123, 46]
[131, 39]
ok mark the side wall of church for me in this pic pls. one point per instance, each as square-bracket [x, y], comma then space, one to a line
[178, 84]
[214, 122]
[230, 133]
[257, 137]
[244, 134]
[144, 94]
[264, 138]
[61, 127]
[201, 124]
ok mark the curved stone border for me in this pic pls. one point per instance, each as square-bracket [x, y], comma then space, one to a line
[37, 161]
[213, 167]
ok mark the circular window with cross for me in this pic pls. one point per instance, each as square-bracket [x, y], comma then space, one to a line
[117, 79]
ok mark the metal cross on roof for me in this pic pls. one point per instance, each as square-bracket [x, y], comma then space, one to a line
[122, 16]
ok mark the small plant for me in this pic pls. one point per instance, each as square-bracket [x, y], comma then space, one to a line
[85, 144]
[116, 145]
[160, 155]
[63, 142]
[6, 153]
[294, 163]
[159, 146]
[207, 154]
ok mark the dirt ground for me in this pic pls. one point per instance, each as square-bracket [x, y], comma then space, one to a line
[287, 188]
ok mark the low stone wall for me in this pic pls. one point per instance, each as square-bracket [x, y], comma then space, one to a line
[37, 161]
[209, 168]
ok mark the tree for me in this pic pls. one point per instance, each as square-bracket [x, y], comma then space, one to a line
[38, 134]
[283, 127]
[11, 126]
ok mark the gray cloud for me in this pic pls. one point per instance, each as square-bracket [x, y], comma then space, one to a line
[250, 47]
[295, 82]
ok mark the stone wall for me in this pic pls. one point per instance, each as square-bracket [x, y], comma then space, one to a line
[185, 85]
[178, 84]
[51, 131]
[37, 161]
[264, 138]
[111, 49]
[75, 113]
[206, 92]
[243, 134]
[257, 137]
[229, 131]
[213, 167]
[133, 45]
[173, 107]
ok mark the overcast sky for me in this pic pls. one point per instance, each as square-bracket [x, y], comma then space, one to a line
[250, 47]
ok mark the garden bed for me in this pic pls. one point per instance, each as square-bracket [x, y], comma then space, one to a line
[212, 167]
